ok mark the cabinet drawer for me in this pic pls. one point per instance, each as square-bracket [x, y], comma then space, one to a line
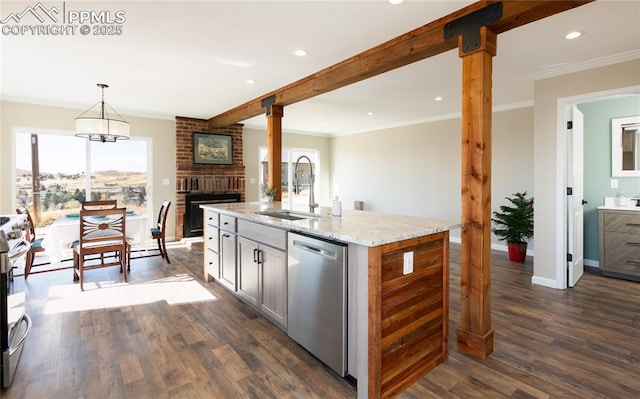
[622, 253]
[622, 222]
[212, 264]
[212, 239]
[212, 218]
[267, 235]
[228, 223]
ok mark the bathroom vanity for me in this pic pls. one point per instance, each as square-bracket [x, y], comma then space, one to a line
[397, 281]
[619, 242]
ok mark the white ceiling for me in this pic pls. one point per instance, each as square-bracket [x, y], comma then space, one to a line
[193, 59]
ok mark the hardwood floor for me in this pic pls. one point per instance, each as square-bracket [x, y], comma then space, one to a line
[168, 334]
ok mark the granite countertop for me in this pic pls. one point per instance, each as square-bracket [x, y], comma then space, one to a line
[360, 227]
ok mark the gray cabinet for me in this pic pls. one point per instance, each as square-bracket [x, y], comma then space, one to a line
[273, 283]
[212, 245]
[249, 259]
[248, 271]
[619, 243]
[262, 269]
[228, 265]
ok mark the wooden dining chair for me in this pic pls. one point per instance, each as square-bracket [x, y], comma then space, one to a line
[101, 204]
[36, 243]
[158, 232]
[102, 231]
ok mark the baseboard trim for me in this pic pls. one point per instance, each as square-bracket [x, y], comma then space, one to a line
[546, 282]
[497, 247]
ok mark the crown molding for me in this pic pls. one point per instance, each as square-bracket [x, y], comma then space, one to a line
[585, 65]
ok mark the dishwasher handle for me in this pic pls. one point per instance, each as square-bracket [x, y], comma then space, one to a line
[318, 251]
[13, 348]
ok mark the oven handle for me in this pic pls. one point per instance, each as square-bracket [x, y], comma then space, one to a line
[27, 319]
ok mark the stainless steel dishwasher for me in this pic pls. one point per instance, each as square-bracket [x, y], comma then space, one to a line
[317, 317]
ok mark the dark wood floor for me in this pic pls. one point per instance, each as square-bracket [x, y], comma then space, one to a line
[167, 334]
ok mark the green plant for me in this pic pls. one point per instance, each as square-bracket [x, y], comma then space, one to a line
[514, 223]
[268, 191]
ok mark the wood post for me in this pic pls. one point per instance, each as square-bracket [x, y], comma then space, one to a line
[475, 332]
[274, 149]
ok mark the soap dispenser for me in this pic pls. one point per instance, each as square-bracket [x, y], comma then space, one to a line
[336, 207]
[622, 200]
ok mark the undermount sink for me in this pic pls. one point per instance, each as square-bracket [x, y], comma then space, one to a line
[288, 215]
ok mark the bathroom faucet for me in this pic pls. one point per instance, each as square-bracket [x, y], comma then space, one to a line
[296, 189]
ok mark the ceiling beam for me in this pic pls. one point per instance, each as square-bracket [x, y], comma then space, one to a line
[421, 43]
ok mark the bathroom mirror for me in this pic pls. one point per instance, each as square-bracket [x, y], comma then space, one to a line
[625, 146]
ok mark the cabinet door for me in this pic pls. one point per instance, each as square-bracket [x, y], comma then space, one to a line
[248, 270]
[274, 283]
[228, 260]
[211, 264]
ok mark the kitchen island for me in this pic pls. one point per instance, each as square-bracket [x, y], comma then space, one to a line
[397, 291]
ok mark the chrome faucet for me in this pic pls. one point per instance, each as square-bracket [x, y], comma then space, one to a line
[296, 189]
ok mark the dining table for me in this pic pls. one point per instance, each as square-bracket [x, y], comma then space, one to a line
[66, 229]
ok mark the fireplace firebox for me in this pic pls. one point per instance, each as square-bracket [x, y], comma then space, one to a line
[193, 226]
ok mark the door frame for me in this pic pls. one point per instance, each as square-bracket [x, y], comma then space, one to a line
[563, 106]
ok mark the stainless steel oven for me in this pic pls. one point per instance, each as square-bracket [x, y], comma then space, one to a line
[15, 324]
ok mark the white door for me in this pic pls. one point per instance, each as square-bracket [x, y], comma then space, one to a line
[575, 211]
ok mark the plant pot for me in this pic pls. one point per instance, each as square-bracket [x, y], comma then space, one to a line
[517, 251]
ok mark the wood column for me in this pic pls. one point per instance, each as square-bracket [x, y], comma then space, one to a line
[475, 332]
[274, 148]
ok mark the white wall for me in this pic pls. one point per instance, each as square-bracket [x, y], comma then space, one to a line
[416, 170]
[549, 165]
[253, 139]
[37, 118]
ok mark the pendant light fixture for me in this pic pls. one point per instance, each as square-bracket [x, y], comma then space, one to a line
[102, 128]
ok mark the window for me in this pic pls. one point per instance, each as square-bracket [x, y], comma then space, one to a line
[116, 171]
[289, 158]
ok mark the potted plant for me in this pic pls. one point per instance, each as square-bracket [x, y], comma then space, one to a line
[514, 224]
[269, 192]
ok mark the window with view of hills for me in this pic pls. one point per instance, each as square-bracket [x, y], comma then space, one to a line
[72, 169]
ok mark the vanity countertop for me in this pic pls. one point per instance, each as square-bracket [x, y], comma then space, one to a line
[620, 208]
[359, 227]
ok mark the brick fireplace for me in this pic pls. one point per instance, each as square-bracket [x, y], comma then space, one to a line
[200, 179]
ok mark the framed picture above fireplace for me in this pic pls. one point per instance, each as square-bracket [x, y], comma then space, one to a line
[212, 149]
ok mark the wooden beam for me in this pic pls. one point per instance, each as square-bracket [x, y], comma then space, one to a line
[274, 149]
[421, 43]
[475, 332]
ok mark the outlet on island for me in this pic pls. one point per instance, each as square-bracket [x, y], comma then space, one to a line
[408, 263]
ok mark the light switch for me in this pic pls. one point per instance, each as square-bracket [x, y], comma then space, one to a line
[408, 263]
[614, 183]
[165, 182]
[252, 181]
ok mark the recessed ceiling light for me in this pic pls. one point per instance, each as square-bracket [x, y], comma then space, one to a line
[395, 2]
[300, 52]
[439, 98]
[573, 35]
[369, 113]
[251, 81]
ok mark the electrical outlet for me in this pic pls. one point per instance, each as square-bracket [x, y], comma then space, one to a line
[408, 263]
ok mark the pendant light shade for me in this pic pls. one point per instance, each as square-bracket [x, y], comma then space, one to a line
[103, 127]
